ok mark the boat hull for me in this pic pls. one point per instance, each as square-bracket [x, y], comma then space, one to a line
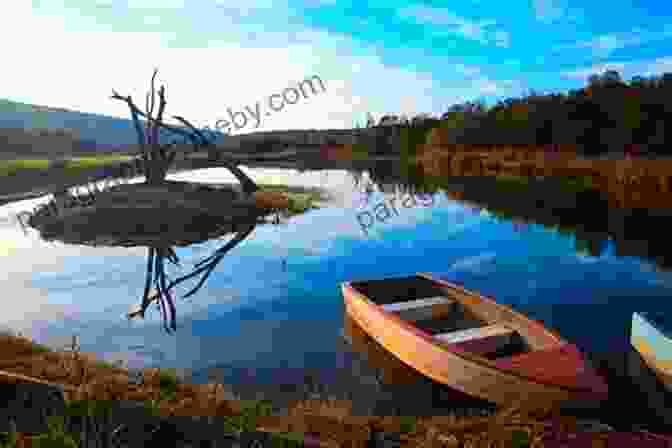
[461, 371]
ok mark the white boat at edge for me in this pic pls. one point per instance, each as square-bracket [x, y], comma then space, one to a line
[654, 344]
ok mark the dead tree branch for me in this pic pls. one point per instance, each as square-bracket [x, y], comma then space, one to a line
[157, 160]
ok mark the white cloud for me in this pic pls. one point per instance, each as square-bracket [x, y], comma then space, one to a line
[548, 11]
[316, 3]
[152, 20]
[84, 67]
[584, 73]
[154, 4]
[604, 45]
[90, 65]
[480, 31]
[627, 70]
[467, 70]
[502, 39]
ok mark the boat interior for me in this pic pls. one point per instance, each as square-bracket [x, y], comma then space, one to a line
[449, 319]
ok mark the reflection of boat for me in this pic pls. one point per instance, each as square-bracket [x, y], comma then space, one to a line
[470, 343]
[651, 336]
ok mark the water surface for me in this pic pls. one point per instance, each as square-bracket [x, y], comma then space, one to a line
[273, 304]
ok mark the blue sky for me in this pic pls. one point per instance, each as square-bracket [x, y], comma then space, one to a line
[379, 57]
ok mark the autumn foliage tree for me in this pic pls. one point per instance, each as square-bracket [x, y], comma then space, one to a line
[606, 115]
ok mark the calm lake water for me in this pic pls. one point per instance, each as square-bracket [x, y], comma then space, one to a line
[274, 301]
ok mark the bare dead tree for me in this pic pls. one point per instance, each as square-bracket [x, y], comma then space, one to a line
[157, 157]
[247, 184]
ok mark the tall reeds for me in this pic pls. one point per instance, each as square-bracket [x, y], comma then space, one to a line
[627, 183]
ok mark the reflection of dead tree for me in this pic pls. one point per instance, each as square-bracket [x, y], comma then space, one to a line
[156, 274]
[157, 158]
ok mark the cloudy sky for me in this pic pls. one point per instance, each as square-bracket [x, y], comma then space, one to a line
[393, 56]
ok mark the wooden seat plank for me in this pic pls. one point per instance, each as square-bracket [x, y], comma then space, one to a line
[469, 334]
[418, 303]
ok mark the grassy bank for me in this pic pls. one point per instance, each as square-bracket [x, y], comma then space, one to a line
[71, 165]
[91, 386]
[26, 178]
[301, 199]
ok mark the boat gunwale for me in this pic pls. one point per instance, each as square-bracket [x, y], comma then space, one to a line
[467, 356]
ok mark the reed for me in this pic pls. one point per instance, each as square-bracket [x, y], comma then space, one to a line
[627, 183]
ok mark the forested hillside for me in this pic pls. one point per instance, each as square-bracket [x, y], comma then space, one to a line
[608, 115]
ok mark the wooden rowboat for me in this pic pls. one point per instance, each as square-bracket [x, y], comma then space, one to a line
[651, 336]
[471, 343]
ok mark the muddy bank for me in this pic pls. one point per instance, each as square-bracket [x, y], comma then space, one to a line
[174, 213]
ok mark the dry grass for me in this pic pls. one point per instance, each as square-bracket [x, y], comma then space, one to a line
[627, 183]
[85, 378]
[271, 200]
[331, 420]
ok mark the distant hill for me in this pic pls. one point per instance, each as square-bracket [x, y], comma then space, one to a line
[94, 132]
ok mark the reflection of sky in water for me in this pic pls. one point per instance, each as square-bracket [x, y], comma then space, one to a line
[253, 310]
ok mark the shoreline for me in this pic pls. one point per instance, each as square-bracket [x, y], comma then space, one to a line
[329, 422]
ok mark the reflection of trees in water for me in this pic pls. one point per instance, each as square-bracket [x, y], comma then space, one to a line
[388, 175]
[632, 230]
[364, 186]
[594, 246]
[164, 287]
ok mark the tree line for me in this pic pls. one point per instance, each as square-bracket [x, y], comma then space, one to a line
[607, 115]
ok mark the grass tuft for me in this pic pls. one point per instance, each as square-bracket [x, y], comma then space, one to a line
[407, 424]
[14, 167]
[247, 419]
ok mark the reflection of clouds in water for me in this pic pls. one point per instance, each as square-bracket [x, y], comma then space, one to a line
[27, 261]
[130, 359]
[338, 180]
[27, 307]
[659, 277]
[13, 208]
[474, 263]
[585, 258]
[13, 242]
[27, 253]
